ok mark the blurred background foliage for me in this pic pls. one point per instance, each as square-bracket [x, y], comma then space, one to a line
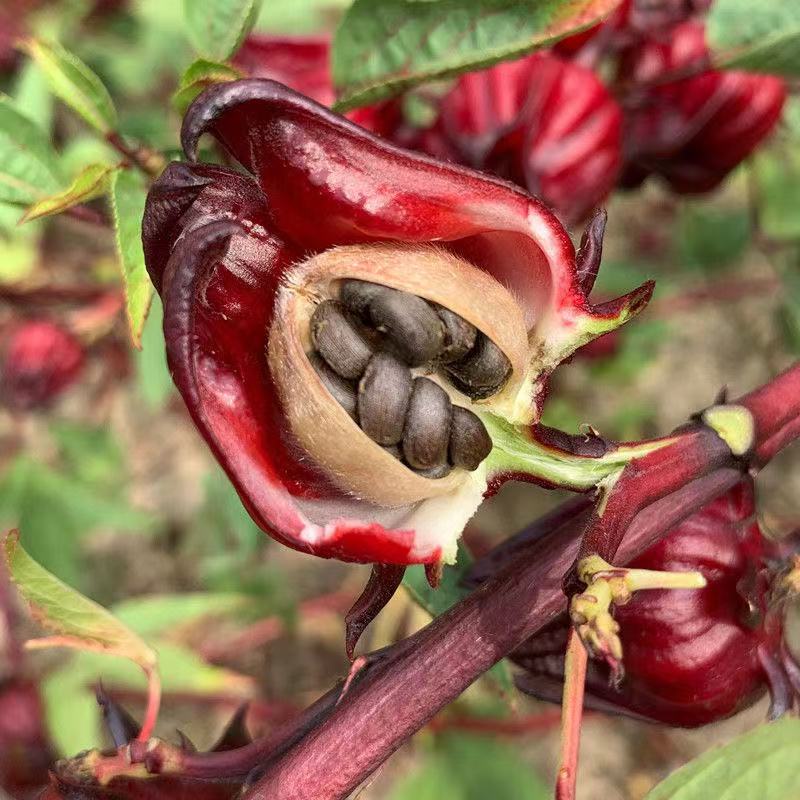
[114, 493]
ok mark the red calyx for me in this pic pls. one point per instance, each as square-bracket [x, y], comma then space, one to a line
[692, 131]
[691, 656]
[41, 360]
[545, 123]
[223, 248]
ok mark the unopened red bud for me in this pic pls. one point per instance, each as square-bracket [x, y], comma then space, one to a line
[41, 360]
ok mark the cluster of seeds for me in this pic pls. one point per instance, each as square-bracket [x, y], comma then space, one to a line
[366, 344]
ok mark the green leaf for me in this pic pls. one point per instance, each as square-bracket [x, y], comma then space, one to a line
[32, 96]
[28, 163]
[761, 37]
[198, 76]
[385, 46]
[762, 763]
[709, 238]
[91, 182]
[289, 16]
[74, 620]
[153, 378]
[154, 615]
[128, 194]
[450, 590]
[75, 84]
[472, 768]
[217, 27]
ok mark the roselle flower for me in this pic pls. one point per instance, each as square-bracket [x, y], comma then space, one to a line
[303, 63]
[692, 131]
[695, 656]
[41, 360]
[346, 321]
[543, 122]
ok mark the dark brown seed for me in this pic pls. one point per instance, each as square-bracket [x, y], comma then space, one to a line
[469, 440]
[412, 326]
[427, 429]
[483, 371]
[394, 450]
[339, 341]
[442, 471]
[459, 336]
[357, 295]
[343, 391]
[383, 397]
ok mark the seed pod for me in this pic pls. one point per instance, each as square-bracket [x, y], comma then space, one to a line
[383, 397]
[459, 336]
[357, 295]
[409, 323]
[483, 371]
[339, 341]
[343, 391]
[427, 429]
[469, 441]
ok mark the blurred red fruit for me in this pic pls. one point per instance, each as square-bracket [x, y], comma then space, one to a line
[41, 360]
[692, 131]
[691, 656]
[545, 123]
[303, 64]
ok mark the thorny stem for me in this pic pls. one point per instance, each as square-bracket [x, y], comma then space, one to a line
[571, 716]
[402, 691]
[399, 694]
[698, 452]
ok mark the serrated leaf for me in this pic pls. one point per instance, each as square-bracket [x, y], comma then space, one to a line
[28, 163]
[217, 27]
[128, 194]
[762, 763]
[384, 46]
[75, 84]
[74, 620]
[198, 76]
[91, 182]
[761, 37]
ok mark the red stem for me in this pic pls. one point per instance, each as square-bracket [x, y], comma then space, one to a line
[696, 453]
[401, 692]
[571, 717]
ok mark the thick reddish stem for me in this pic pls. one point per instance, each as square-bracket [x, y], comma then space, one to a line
[399, 693]
[775, 408]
